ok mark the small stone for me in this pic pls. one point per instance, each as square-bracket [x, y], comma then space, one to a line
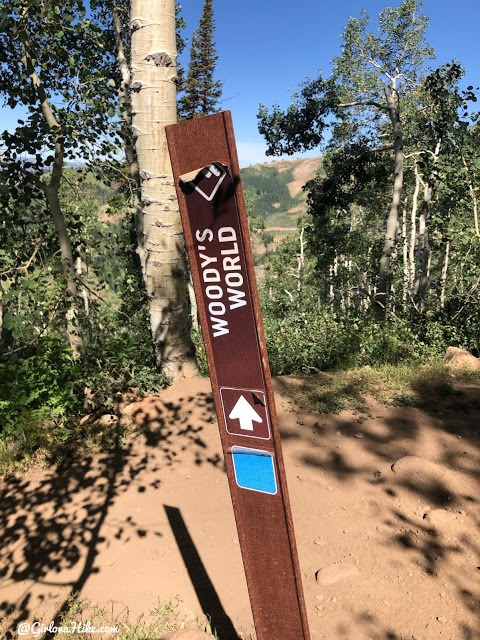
[358, 435]
[334, 599]
[108, 420]
[443, 594]
[334, 573]
[320, 542]
[441, 619]
[329, 488]
[319, 597]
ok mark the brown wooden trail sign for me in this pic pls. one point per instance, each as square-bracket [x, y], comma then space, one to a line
[207, 179]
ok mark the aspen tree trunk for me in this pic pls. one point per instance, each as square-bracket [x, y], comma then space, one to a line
[413, 231]
[471, 189]
[423, 252]
[420, 285]
[300, 270]
[444, 275]
[405, 255]
[130, 155]
[153, 73]
[73, 335]
[381, 295]
[51, 191]
[84, 292]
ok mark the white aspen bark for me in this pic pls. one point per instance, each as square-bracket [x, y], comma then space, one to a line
[422, 252]
[444, 275]
[153, 74]
[130, 155]
[429, 263]
[341, 263]
[193, 304]
[420, 285]
[300, 270]
[405, 254]
[84, 292]
[381, 295]
[331, 293]
[413, 231]
[471, 188]
[334, 279]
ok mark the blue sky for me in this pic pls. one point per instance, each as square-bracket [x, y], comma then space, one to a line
[267, 47]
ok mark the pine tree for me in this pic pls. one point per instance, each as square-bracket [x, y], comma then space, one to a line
[202, 92]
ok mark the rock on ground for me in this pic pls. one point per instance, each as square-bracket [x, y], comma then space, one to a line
[334, 573]
[459, 358]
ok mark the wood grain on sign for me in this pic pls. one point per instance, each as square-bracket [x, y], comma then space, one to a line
[207, 180]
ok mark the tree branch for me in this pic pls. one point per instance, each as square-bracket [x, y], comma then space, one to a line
[360, 103]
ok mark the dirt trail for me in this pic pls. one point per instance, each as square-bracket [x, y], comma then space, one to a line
[398, 550]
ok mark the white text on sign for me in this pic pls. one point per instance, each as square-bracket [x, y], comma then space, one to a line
[229, 266]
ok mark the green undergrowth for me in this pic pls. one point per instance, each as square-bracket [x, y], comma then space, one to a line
[407, 385]
[44, 394]
[165, 617]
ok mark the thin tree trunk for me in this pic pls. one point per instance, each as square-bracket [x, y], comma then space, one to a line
[420, 285]
[405, 254]
[381, 295]
[444, 275]
[331, 292]
[300, 270]
[193, 303]
[413, 231]
[471, 188]
[73, 335]
[51, 192]
[84, 292]
[130, 155]
[153, 74]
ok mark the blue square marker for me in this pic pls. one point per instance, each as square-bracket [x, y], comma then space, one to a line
[254, 469]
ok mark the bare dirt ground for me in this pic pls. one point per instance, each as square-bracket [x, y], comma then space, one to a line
[397, 550]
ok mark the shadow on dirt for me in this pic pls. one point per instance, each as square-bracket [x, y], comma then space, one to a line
[204, 588]
[452, 420]
[53, 522]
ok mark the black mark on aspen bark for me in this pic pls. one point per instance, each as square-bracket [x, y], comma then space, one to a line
[161, 59]
[136, 86]
[146, 200]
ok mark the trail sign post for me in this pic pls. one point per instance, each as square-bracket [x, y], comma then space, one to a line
[207, 180]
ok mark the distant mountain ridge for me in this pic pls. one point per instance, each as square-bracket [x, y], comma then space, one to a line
[273, 190]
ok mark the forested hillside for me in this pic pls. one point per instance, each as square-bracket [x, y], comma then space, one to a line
[274, 191]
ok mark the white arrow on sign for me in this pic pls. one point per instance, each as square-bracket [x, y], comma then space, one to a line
[245, 413]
